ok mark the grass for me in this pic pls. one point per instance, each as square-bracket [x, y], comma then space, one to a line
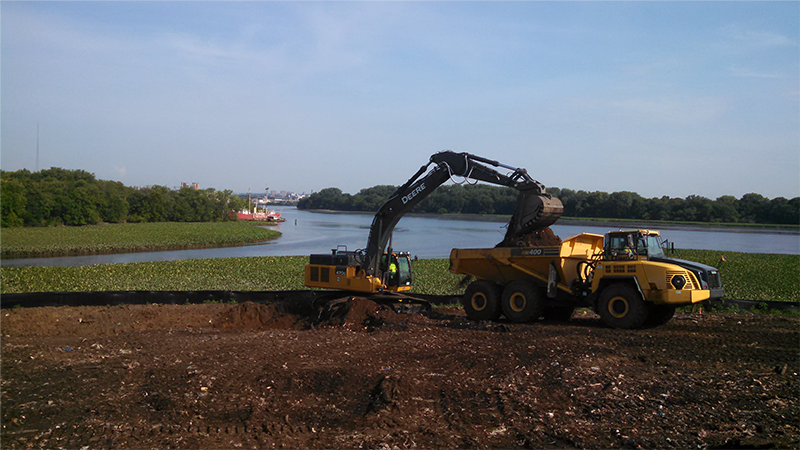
[744, 276]
[28, 242]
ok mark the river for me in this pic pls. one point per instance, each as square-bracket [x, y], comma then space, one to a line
[306, 232]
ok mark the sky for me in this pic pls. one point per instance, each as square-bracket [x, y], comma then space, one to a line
[658, 98]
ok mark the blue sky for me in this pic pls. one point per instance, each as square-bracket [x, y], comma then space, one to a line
[672, 98]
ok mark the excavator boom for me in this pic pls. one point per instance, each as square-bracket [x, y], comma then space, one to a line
[535, 209]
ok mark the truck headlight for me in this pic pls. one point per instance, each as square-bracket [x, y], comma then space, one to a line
[678, 281]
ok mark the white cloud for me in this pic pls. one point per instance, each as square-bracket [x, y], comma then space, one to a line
[750, 73]
[752, 39]
[685, 111]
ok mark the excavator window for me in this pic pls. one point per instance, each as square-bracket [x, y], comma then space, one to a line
[403, 271]
[396, 270]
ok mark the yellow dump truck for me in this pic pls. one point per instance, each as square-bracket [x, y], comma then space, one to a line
[625, 276]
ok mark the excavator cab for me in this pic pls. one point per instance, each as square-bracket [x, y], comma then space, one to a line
[342, 269]
[396, 268]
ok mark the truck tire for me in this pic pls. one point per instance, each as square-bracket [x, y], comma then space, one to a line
[621, 306]
[659, 315]
[482, 300]
[522, 301]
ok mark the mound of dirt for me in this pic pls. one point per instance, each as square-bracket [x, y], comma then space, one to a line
[542, 238]
[358, 313]
[251, 315]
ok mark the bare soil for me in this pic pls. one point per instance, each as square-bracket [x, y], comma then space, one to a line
[362, 376]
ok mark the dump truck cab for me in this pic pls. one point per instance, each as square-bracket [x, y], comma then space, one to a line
[634, 273]
[646, 248]
[633, 245]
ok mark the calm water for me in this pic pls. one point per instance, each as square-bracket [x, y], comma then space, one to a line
[425, 237]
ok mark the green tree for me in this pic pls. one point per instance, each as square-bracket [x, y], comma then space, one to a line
[724, 209]
[753, 208]
[12, 203]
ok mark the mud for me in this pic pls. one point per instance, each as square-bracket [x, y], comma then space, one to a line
[261, 376]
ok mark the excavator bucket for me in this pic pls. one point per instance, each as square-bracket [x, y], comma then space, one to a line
[534, 212]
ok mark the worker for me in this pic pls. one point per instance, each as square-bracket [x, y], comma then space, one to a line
[392, 278]
[627, 248]
[629, 252]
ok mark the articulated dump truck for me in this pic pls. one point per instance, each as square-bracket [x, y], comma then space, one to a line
[625, 276]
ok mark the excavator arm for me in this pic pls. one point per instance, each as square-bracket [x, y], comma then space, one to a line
[535, 209]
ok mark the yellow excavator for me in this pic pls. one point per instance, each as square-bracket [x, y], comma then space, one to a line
[380, 271]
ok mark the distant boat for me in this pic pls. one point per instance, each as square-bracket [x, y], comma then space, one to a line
[272, 216]
[264, 214]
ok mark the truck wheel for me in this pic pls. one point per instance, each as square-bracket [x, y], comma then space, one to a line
[482, 300]
[621, 306]
[522, 301]
[659, 315]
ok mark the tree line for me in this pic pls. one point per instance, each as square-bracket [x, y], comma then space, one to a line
[485, 199]
[58, 196]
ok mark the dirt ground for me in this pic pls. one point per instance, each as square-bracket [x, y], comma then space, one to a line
[261, 376]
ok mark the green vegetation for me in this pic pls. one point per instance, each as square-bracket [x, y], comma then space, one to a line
[432, 276]
[74, 197]
[744, 276]
[241, 274]
[485, 199]
[130, 237]
[753, 276]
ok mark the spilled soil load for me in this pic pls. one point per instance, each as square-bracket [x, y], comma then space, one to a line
[242, 376]
[541, 238]
[256, 316]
